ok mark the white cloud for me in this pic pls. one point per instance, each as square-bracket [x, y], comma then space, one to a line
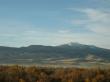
[95, 15]
[100, 29]
[97, 21]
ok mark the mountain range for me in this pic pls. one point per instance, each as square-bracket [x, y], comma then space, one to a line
[66, 55]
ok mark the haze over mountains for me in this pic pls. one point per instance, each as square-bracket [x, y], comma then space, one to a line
[67, 55]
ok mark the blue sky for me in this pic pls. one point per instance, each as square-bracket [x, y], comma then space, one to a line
[54, 22]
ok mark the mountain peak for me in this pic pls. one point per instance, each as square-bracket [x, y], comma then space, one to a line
[73, 44]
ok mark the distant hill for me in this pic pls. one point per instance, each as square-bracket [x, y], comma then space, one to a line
[62, 54]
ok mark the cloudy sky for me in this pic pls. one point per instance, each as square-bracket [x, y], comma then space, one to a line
[54, 22]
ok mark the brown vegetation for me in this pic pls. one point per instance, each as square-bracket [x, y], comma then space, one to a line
[36, 74]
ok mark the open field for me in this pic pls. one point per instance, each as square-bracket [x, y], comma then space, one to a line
[17, 73]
